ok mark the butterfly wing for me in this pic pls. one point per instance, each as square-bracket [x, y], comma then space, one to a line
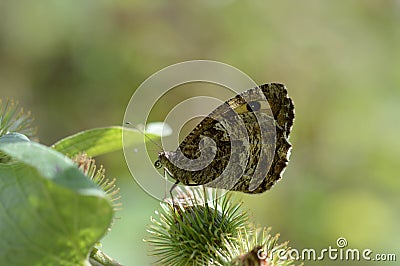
[247, 139]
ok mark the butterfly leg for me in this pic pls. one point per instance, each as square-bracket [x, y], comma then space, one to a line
[205, 196]
[172, 189]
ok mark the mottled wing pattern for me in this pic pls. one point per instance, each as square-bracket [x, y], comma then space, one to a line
[251, 147]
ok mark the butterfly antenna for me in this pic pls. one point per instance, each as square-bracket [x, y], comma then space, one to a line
[144, 134]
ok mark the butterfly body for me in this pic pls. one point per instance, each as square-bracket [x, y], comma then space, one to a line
[242, 145]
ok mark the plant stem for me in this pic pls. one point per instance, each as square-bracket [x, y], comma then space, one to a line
[98, 258]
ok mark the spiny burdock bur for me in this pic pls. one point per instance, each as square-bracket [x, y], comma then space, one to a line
[207, 227]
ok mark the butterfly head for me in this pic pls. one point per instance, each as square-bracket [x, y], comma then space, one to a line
[163, 159]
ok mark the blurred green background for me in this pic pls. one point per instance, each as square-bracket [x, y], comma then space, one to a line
[75, 64]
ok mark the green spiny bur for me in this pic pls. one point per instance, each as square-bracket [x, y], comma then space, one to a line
[194, 231]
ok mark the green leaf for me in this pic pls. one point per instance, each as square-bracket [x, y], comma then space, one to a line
[50, 212]
[13, 137]
[100, 140]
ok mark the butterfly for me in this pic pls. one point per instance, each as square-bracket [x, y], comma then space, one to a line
[243, 145]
